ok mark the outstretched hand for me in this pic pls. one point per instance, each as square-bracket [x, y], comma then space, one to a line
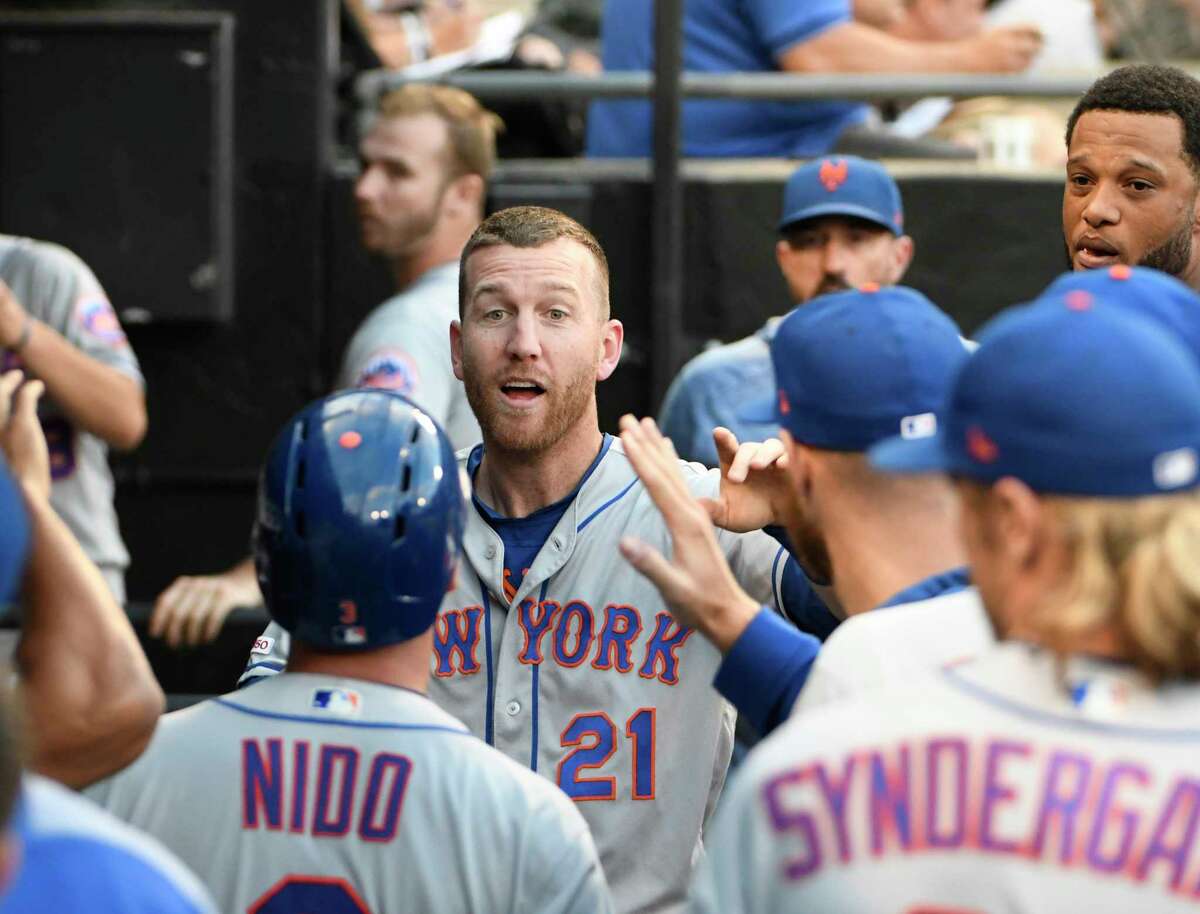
[755, 487]
[697, 582]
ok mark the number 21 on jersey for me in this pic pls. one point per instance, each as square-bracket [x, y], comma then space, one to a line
[593, 740]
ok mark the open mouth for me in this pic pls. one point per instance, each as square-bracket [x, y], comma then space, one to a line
[522, 391]
[1092, 252]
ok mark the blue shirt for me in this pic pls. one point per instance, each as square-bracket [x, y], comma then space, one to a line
[711, 388]
[76, 857]
[768, 665]
[721, 36]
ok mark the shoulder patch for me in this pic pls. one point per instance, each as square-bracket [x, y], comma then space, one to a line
[390, 369]
[262, 645]
[96, 315]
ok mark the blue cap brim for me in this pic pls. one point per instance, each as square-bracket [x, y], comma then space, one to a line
[909, 455]
[765, 409]
[839, 209]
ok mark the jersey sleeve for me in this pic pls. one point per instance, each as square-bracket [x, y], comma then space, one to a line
[268, 655]
[404, 352]
[783, 23]
[765, 669]
[68, 296]
[562, 873]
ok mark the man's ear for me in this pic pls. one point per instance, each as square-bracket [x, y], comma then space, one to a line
[902, 256]
[610, 349]
[464, 195]
[456, 348]
[1020, 518]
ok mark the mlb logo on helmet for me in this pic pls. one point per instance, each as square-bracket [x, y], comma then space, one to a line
[342, 702]
[922, 425]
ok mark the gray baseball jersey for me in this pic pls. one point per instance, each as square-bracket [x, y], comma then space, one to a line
[58, 289]
[584, 677]
[1011, 783]
[888, 645]
[404, 345]
[317, 793]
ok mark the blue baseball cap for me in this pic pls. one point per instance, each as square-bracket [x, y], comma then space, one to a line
[857, 366]
[1152, 293]
[843, 186]
[1072, 397]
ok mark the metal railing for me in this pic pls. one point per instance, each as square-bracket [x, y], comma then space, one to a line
[667, 86]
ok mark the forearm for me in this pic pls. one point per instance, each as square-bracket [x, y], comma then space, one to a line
[89, 695]
[856, 48]
[94, 396]
[765, 669]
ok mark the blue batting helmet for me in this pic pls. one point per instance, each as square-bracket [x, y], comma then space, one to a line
[361, 507]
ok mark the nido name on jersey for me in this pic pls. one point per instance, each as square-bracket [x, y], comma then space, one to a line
[309, 788]
[568, 634]
[1012, 798]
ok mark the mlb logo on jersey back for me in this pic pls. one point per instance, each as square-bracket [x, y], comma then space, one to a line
[342, 702]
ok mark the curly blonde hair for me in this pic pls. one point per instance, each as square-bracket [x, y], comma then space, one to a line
[1134, 567]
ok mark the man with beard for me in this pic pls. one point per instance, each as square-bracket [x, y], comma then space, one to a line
[549, 646]
[842, 226]
[1133, 163]
[425, 164]
[853, 367]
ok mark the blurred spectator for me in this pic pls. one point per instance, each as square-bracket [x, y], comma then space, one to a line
[403, 34]
[1015, 133]
[58, 325]
[722, 36]
[1151, 30]
[426, 161]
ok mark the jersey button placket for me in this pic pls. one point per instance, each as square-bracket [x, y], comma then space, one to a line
[513, 708]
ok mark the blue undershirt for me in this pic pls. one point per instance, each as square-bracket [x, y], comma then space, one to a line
[523, 537]
[768, 665]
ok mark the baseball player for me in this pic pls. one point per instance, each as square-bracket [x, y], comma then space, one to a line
[57, 325]
[842, 226]
[852, 368]
[89, 703]
[339, 786]
[1056, 772]
[87, 694]
[550, 647]
[425, 164]
[1133, 157]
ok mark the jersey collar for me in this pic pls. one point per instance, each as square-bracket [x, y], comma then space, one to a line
[937, 585]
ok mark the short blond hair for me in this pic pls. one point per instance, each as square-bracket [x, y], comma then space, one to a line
[1134, 568]
[532, 227]
[471, 128]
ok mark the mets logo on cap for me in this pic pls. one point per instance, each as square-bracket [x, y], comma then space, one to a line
[832, 175]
